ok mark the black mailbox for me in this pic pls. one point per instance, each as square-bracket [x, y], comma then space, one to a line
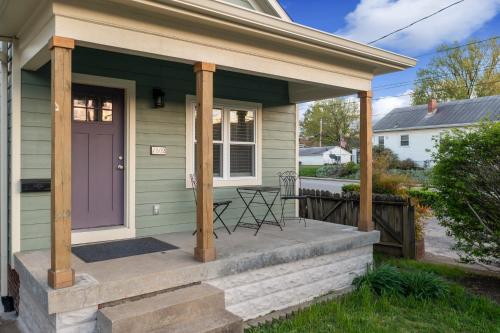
[35, 185]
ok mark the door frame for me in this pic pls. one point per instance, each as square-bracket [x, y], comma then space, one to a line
[127, 230]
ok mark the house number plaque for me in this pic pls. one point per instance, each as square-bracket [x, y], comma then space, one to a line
[158, 150]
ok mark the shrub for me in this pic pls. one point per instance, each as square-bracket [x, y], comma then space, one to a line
[467, 176]
[350, 188]
[385, 156]
[388, 279]
[338, 170]
[408, 164]
[424, 196]
[423, 285]
[385, 279]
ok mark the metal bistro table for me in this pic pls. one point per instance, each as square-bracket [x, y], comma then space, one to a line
[256, 195]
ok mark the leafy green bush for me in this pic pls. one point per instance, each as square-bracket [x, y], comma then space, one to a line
[350, 188]
[386, 279]
[390, 158]
[467, 177]
[424, 196]
[389, 280]
[424, 285]
[348, 170]
[408, 164]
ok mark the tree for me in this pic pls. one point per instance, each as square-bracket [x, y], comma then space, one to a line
[459, 73]
[467, 175]
[337, 117]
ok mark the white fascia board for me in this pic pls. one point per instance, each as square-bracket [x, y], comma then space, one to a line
[278, 27]
[406, 129]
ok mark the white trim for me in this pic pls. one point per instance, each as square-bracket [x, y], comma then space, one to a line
[225, 104]
[128, 229]
[297, 143]
[4, 160]
[15, 158]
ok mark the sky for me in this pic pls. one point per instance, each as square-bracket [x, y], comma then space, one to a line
[366, 20]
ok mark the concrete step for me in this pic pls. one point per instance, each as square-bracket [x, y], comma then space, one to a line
[256, 293]
[222, 322]
[170, 308]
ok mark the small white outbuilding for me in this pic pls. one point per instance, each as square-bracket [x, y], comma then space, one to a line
[324, 155]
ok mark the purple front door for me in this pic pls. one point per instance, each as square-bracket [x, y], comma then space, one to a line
[97, 157]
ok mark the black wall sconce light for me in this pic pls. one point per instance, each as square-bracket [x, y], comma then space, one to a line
[158, 98]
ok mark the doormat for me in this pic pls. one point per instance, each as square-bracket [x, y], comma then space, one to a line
[120, 249]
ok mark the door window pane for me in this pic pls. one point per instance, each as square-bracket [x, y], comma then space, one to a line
[242, 126]
[107, 110]
[242, 160]
[79, 114]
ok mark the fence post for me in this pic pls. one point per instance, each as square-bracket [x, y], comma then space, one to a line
[409, 244]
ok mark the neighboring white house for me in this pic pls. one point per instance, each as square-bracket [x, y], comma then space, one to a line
[411, 132]
[324, 155]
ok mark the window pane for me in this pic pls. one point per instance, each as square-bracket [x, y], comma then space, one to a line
[107, 104]
[242, 126]
[216, 121]
[107, 115]
[79, 114]
[79, 102]
[218, 160]
[217, 125]
[242, 160]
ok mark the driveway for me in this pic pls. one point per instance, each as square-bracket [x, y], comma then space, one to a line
[323, 184]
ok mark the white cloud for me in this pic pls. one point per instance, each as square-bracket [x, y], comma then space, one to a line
[384, 105]
[374, 18]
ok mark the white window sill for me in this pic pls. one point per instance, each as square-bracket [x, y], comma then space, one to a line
[236, 182]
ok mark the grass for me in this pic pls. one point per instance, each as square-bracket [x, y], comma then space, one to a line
[308, 170]
[364, 311]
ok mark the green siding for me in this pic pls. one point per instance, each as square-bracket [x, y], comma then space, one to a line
[159, 179]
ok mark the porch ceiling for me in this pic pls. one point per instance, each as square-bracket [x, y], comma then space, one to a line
[318, 64]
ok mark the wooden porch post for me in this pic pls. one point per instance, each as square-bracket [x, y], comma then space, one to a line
[365, 222]
[61, 275]
[205, 247]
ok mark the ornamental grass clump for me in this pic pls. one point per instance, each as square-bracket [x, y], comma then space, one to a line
[424, 285]
[386, 279]
[389, 280]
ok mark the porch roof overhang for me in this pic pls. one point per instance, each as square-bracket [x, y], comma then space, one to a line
[317, 64]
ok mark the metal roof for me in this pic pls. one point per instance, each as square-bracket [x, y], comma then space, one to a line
[313, 151]
[448, 114]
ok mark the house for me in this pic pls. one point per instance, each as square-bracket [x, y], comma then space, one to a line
[411, 132]
[324, 155]
[112, 105]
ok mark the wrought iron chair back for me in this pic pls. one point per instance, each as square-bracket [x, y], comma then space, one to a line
[288, 181]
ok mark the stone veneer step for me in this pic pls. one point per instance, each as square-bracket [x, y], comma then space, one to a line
[256, 293]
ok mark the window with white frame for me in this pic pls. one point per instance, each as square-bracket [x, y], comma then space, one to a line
[236, 142]
[381, 141]
[405, 140]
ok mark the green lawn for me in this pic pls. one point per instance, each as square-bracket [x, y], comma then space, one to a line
[308, 170]
[362, 311]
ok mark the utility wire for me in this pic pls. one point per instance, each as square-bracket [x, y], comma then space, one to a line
[456, 47]
[415, 22]
[405, 83]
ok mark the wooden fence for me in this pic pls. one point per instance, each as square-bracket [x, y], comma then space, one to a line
[393, 216]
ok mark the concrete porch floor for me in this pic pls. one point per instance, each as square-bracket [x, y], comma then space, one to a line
[107, 281]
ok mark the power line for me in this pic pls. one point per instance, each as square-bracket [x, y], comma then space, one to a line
[456, 47]
[405, 83]
[415, 22]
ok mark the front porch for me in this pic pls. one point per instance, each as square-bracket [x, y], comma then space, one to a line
[259, 274]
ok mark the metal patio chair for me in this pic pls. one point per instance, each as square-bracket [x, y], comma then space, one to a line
[288, 180]
[218, 209]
